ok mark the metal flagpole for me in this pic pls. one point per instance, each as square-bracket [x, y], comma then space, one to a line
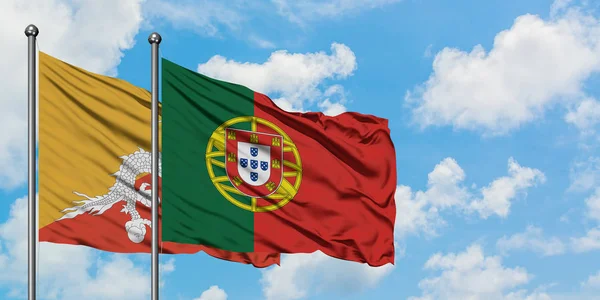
[154, 39]
[31, 32]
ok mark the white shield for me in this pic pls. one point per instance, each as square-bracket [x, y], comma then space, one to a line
[254, 163]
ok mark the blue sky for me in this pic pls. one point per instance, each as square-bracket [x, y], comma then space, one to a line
[493, 111]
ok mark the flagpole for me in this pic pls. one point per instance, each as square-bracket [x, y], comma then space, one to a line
[31, 32]
[154, 39]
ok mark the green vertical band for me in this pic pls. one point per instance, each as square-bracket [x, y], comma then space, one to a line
[193, 210]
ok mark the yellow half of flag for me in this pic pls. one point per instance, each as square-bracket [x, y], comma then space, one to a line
[87, 124]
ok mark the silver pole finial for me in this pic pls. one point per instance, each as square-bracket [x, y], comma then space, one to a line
[154, 38]
[31, 30]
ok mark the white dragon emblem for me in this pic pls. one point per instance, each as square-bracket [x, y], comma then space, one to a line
[123, 190]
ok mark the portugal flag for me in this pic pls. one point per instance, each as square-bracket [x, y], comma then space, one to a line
[243, 175]
[95, 164]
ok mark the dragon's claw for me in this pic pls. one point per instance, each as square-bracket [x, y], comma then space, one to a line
[136, 229]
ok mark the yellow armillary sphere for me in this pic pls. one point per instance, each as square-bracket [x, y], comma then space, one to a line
[253, 164]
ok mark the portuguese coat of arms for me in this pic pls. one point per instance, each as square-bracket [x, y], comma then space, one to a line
[254, 161]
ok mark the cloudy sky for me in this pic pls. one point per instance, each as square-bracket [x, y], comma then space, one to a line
[493, 109]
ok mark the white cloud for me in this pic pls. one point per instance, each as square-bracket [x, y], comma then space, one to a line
[585, 116]
[301, 11]
[532, 66]
[497, 196]
[524, 295]
[164, 269]
[331, 109]
[302, 274]
[260, 42]
[420, 210]
[443, 184]
[117, 278]
[532, 239]
[296, 78]
[419, 215]
[593, 282]
[559, 6]
[213, 293]
[168, 266]
[203, 16]
[428, 51]
[472, 275]
[67, 271]
[585, 175]
[446, 190]
[214, 18]
[334, 103]
[287, 105]
[589, 242]
[75, 31]
[593, 205]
